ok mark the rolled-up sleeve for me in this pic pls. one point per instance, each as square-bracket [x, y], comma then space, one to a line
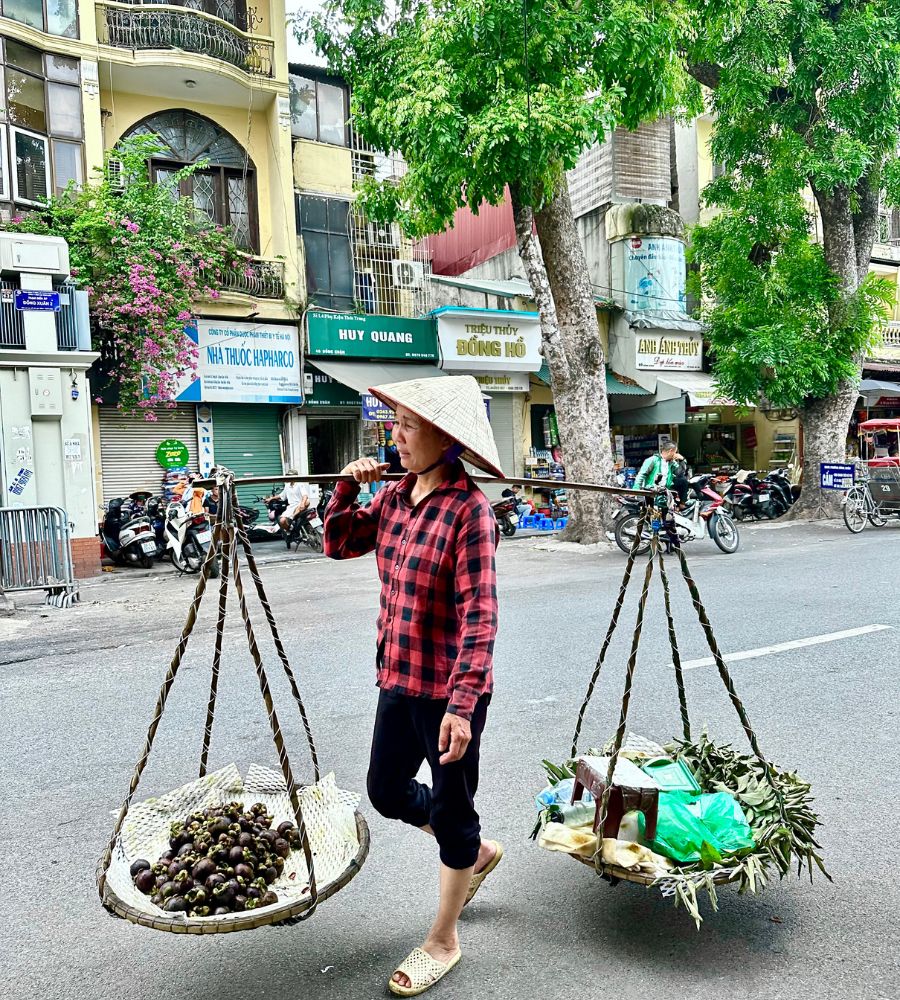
[476, 605]
[351, 530]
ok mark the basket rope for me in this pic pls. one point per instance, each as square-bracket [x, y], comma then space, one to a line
[221, 537]
[274, 725]
[626, 696]
[656, 555]
[676, 655]
[612, 628]
[226, 532]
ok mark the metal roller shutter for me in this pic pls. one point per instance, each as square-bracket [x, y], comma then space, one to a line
[247, 440]
[128, 445]
[502, 424]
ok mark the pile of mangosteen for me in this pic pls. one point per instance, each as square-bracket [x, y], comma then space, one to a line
[221, 860]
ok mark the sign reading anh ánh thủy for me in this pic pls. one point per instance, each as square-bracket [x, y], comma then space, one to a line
[489, 340]
[668, 350]
[172, 454]
[352, 335]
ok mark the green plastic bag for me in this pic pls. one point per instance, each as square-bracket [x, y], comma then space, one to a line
[693, 828]
[722, 815]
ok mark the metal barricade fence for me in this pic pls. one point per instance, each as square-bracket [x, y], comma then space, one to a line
[36, 553]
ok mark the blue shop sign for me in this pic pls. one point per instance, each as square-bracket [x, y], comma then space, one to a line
[34, 301]
[374, 411]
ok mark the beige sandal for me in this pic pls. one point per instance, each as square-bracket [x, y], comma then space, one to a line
[475, 884]
[422, 971]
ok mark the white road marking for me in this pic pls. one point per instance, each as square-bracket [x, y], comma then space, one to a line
[781, 647]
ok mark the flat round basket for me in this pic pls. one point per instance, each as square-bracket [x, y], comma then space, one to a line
[339, 838]
[642, 878]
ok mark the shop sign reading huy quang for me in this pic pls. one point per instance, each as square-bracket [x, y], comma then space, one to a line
[668, 350]
[488, 340]
[356, 335]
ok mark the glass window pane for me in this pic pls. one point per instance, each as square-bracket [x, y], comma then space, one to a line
[23, 56]
[4, 168]
[30, 155]
[313, 213]
[68, 165]
[331, 115]
[338, 212]
[317, 275]
[29, 12]
[303, 107]
[25, 100]
[65, 110]
[62, 18]
[204, 195]
[62, 69]
[341, 261]
[239, 211]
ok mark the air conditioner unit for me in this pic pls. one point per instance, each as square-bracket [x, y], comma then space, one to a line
[383, 234]
[115, 173]
[408, 273]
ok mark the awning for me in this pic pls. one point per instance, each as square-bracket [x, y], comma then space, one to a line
[699, 388]
[614, 386]
[510, 288]
[667, 319]
[362, 375]
[872, 389]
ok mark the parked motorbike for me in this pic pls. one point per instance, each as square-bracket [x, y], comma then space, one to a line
[154, 511]
[507, 515]
[188, 537]
[703, 515]
[126, 534]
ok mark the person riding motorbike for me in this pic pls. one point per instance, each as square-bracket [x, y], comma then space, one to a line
[666, 468]
[295, 495]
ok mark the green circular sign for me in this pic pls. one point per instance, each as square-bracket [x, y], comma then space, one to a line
[172, 454]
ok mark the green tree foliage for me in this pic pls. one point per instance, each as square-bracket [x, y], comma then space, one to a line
[146, 259]
[806, 98]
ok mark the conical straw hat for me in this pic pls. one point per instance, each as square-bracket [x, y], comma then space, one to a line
[454, 404]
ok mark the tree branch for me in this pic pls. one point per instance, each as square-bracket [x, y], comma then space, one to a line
[536, 272]
[709, 74]
[865, 218]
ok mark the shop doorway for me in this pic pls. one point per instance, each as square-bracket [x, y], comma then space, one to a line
[332, 442]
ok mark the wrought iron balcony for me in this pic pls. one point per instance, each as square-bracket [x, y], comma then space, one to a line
[259, 277]
[147, 26]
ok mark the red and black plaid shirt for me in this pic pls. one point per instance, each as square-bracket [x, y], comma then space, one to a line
[438, 613]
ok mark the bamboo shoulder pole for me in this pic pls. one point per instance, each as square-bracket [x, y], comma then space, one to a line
[552, 484]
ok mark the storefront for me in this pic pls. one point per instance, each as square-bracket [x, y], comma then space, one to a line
[129, 444]
[501, 349]
[229, 413]
[347, 354]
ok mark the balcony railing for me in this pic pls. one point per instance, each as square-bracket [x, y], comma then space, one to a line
[166, 26]
[892, 334]
[259, 277]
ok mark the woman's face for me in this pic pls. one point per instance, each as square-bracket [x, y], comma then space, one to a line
[419, 444]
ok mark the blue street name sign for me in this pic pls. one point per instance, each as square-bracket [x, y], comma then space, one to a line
[835, 477]
[30, 301]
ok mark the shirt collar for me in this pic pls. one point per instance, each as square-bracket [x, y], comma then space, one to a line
[455, 478]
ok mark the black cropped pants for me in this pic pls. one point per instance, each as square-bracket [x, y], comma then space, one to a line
[406, 733]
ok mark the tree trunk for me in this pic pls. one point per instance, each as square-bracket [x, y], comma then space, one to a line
[848, 231]
[557, 272]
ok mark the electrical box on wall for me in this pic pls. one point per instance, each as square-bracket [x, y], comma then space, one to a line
[34, 254]
[45, 385]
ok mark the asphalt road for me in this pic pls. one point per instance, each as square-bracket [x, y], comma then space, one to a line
[78, 688]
